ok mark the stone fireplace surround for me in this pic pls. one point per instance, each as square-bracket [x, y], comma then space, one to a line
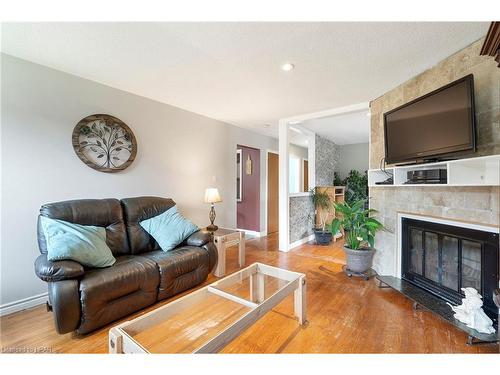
[468, 206]
[460, 224]
[472, 204]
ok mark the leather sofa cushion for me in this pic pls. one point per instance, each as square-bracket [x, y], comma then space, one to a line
[107, 294]
[180, 269]
[105, 213]
[138, 209]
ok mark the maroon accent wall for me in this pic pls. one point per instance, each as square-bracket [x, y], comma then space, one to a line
[248, 210]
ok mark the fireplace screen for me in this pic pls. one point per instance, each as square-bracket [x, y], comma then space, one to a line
[443, 266]
[442, 259]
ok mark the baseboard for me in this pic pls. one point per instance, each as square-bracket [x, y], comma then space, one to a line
[23, 304]
[301, 241]
[253, 233]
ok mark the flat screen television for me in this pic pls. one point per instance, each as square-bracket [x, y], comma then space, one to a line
[433, 127]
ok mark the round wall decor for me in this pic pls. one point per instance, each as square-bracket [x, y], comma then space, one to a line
[104, 143]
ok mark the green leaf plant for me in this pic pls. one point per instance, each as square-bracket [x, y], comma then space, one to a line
[321, 200]
[358, 225]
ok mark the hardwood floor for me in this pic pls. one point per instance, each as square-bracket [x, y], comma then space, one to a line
[344, 316]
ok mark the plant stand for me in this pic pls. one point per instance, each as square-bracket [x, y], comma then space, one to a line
[365, 275]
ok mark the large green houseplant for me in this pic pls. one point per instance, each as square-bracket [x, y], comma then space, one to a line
[322, 203]
[360, 229]
[356, 185]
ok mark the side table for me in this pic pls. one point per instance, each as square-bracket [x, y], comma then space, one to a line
[224, 238]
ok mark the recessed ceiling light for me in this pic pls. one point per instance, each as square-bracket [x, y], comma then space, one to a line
[287, 67]
[267, 125]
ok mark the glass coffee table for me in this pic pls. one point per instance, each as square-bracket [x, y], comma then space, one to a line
[208, 319]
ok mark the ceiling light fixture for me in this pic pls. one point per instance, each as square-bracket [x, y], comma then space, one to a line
[287, 67]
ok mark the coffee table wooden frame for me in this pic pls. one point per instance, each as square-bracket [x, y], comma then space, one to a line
[122, 342]
[222, 242]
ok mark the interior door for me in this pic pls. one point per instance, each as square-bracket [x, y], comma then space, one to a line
[272, 193]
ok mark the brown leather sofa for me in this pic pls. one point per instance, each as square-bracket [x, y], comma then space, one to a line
[84, 299]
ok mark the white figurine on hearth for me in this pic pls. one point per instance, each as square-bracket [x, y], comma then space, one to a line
[471, 312]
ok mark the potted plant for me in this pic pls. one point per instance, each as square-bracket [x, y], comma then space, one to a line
[321, 201]
[360, 229]
[356, 185]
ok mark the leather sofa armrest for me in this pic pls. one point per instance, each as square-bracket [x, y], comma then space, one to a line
[213, 255]
[199, 238]
[57, 271]
[65, 300]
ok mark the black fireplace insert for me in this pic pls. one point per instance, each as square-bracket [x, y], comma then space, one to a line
[442, 259]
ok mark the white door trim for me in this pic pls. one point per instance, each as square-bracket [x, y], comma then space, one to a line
[268, 151]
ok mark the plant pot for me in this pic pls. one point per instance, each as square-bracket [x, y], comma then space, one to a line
[323, 238]
[359, 260]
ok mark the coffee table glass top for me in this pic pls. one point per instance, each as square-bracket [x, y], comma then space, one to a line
[189, 328]
[206, 319]
[248, 287]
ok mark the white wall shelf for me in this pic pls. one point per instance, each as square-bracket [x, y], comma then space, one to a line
[479, 171]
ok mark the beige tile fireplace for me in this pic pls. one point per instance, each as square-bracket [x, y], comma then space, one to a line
[478, 204]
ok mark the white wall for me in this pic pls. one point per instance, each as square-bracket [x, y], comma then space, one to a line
[353, 156]
[179, 154]
[298, 151]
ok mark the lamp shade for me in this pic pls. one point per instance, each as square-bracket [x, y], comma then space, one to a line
[212, 195]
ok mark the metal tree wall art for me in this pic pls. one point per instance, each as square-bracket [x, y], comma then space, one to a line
[104, 143]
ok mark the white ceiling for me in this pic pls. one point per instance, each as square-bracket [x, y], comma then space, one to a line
[231, 71]
[343, 129]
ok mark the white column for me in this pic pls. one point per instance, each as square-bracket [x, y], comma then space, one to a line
[311, 156]
[284, 216]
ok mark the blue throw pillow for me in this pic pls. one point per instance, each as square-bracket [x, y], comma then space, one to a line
[85, 244]
[169, 229]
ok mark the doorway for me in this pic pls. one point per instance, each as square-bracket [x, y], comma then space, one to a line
[248, 189]
[272, 192]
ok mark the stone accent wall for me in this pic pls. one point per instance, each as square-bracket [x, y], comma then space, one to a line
[327, 156]
[478, 204]
[301, 208]
[486, 92]
[301, 217]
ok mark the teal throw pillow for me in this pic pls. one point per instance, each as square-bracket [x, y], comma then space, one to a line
[169, 229]
[85, 244]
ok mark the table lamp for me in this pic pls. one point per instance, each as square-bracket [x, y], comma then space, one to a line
[212, 196]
